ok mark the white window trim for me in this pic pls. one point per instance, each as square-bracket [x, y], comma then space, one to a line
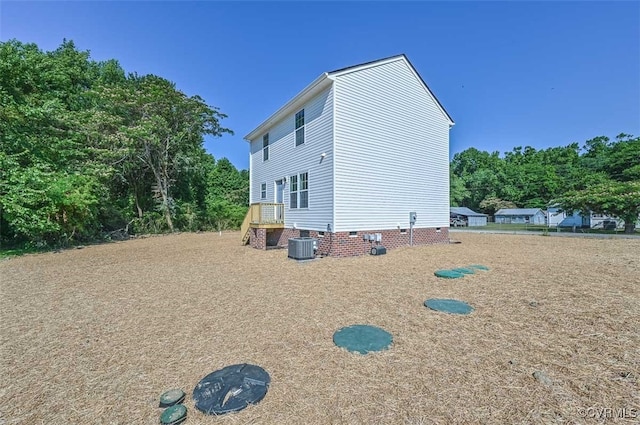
[298, 190]
[303, 127]
[263, 191]
[266, 148]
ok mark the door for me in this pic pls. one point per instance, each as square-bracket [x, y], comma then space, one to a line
[279, 198]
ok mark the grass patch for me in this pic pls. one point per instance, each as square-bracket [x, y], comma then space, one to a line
[543, 228]
[512, 227]
[15, 252]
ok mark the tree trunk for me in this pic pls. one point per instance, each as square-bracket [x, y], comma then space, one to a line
[135, 195]
[167, 215]
[162, 188]
[629, 227]
[630, 222]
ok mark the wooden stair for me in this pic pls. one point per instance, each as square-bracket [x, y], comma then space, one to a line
[246, 227]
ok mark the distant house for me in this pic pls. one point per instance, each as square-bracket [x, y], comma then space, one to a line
[471, 217]
[558, 218]
[520, 216]
[586, 220]
[555, 216]
[352, 154]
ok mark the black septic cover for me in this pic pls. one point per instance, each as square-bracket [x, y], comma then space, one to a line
[231, 389]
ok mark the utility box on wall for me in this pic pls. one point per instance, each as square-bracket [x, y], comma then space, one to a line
[413, 217]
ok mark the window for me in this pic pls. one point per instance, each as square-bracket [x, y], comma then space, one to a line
[293, 192]
[403, 231]
[299, 191]
[300, 128]
[263, 191]
[321, 234]
[265, 147]
[353, 234]
[304, 190]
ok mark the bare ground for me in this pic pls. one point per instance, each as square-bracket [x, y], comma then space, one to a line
[96, 335]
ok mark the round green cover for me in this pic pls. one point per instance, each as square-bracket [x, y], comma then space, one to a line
[448, 274]
[463, 270]
[172, 397]
[479, 267]
[448, 306]
[174, 415]
[362, 338]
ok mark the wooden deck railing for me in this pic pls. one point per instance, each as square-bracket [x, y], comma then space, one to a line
[266, 213]
[262, 214]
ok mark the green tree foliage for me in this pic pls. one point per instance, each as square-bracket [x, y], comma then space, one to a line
[600, 177]
[86, 149]
[618, 199]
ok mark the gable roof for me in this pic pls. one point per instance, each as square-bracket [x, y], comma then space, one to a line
[466, 212]
[325, 80]
[518, 211]
[354, 68]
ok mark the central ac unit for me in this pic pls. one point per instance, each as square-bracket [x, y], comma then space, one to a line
[302, 248]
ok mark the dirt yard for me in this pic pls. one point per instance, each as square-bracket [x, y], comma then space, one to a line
[94, 336]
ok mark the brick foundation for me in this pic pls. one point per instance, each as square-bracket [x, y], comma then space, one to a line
[340, 244]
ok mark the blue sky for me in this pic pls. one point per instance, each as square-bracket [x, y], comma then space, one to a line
[509, 73]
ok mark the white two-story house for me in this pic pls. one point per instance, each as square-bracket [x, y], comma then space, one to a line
[354, 153]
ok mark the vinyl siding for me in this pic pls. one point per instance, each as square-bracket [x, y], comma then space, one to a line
[477, 221]
[391, 151]
[286, 159]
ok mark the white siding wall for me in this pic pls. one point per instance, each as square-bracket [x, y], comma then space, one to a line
[391, 151]
[286, 159]
[476, 221]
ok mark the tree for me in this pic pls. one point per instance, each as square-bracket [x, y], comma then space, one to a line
[491, 204]
[162, 133]
[86, 149]
[618, 199]
[457, 190]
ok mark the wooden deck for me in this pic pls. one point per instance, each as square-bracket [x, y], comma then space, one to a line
[262, 215]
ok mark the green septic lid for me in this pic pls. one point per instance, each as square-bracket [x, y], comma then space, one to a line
[172, 397]
[448, 306]
[174, 415]
[448, 274]
[463, 270]
[362, 338]
[479, 267]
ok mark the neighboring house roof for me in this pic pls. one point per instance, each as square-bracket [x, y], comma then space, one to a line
[466, 211]
[518, 211]
[324, 81]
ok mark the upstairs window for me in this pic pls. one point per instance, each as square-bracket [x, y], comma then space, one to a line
[300, 128]
[265, 147]
[263, 191]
